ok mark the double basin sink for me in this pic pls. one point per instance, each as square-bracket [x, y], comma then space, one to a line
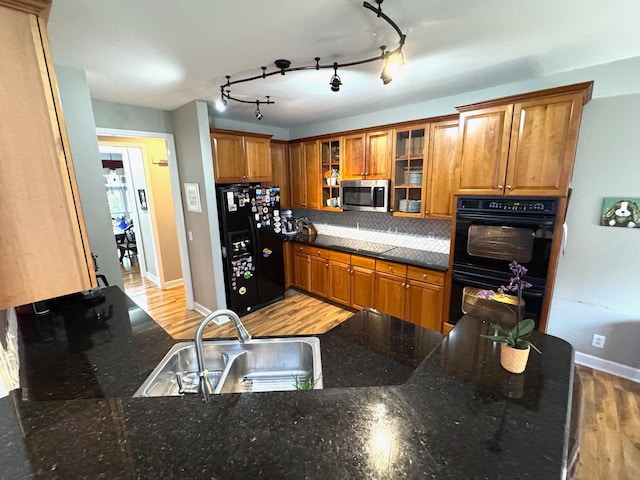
[260, 365]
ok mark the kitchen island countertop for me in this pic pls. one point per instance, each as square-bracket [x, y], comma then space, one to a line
[399, 402]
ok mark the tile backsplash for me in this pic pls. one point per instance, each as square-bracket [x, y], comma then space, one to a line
[421, 234]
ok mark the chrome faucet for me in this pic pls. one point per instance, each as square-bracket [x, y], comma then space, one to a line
[243, 337]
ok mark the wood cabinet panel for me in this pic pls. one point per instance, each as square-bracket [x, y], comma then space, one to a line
[443, 172]
[340, 282]
[392, 268]
[280, 172]
[298, 176]
[319, 276]
[378, 155]
[362, 286]
[425, 275]
[45, 249]
[353, 157]
[302, 271]
[228, 158]
[390, 294]
[543, 142]
[312, 173]
[258, 159]
[424, 304]
[484, 148]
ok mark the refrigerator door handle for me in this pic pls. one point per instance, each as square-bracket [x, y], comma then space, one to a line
[254, 241]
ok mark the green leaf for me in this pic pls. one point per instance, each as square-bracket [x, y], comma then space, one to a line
[527, 342]
[525, 327]
[496, 338]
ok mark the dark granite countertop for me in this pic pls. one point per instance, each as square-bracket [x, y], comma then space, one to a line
[410, 256]
[399, 402]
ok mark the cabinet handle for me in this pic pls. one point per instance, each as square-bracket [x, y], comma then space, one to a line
[407, 285]
[500, 187]
[509, 187]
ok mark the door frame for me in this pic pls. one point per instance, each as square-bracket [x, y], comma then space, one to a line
[176, 194]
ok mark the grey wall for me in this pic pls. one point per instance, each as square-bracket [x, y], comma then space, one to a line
[193, 145]
[598, 281]
[81, 129]
[131, 117]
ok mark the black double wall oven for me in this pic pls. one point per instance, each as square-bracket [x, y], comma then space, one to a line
[490, 233]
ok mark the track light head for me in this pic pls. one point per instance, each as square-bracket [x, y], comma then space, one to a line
[258, 113]
[335, 81]
[221, 104]
[392, 64]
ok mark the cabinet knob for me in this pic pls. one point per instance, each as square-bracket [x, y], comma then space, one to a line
[403, 284]
[327, 265]
[424, 275]
[390, 268]
[500, 187]
[509, 187]
[406, 286]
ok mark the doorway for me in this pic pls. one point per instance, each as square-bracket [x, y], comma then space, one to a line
[154, 190]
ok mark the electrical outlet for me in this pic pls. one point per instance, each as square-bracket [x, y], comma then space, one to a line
[598, 340]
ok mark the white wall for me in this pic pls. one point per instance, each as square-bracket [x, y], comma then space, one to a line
[598, 281]
[220, 122]
[81, 129]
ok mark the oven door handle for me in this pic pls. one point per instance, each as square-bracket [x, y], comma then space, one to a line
[461, 278]
[507, 220]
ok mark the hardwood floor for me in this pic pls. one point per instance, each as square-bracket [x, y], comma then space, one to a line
[610, 426]
[610, 437]
[297, 314]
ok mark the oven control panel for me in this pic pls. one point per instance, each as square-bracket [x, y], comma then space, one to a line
[512, 204]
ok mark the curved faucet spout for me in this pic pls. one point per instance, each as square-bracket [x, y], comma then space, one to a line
[243, 336]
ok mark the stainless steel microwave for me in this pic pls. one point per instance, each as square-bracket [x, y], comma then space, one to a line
[365, 195]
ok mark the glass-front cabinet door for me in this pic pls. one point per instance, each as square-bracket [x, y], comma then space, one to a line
[330, 154]
[409, 171]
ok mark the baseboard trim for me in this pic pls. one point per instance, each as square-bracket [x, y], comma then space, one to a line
[173, 283]
[201, 309]
[152, 277]
[608, 366]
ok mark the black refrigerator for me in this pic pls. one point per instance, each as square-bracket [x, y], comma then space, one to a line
[251, 237]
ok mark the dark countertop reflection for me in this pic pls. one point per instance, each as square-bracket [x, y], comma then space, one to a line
[399, 401]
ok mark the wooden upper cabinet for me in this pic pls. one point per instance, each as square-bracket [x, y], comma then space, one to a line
[367, 155]
[240, 158]
[297, 176]
[353, 161]
[544, 136]
[313, 180]
[45, 247]
[378, 164]
[258, 159]
[228, 158]
[521, 145]
[443, 171]
[280, 172]
[484, 148]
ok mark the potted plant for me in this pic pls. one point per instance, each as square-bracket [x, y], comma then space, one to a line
[514, 348]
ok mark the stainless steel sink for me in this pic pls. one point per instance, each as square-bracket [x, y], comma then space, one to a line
[260, 365]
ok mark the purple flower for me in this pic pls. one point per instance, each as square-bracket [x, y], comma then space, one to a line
[487, 294]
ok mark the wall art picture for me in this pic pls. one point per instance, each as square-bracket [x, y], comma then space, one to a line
[621, 212]
[192, 196]
[142, 195]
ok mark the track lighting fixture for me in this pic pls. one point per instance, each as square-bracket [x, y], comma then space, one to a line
[284, 66]
[221, 104]
[335, 80]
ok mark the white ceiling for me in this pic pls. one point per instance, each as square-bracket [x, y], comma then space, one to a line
[165, 53]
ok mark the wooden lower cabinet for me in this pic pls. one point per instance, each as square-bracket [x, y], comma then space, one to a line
[302, 271]
[411, 293]
[424, 304]
[319, 276]
[390, 294]
[362, 282]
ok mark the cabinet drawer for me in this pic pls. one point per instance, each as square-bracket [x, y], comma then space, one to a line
[391, 267]
[425, 275]
[311, 250]
[340, 256]
[364, 262]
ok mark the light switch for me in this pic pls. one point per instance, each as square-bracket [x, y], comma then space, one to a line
[190, 236]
